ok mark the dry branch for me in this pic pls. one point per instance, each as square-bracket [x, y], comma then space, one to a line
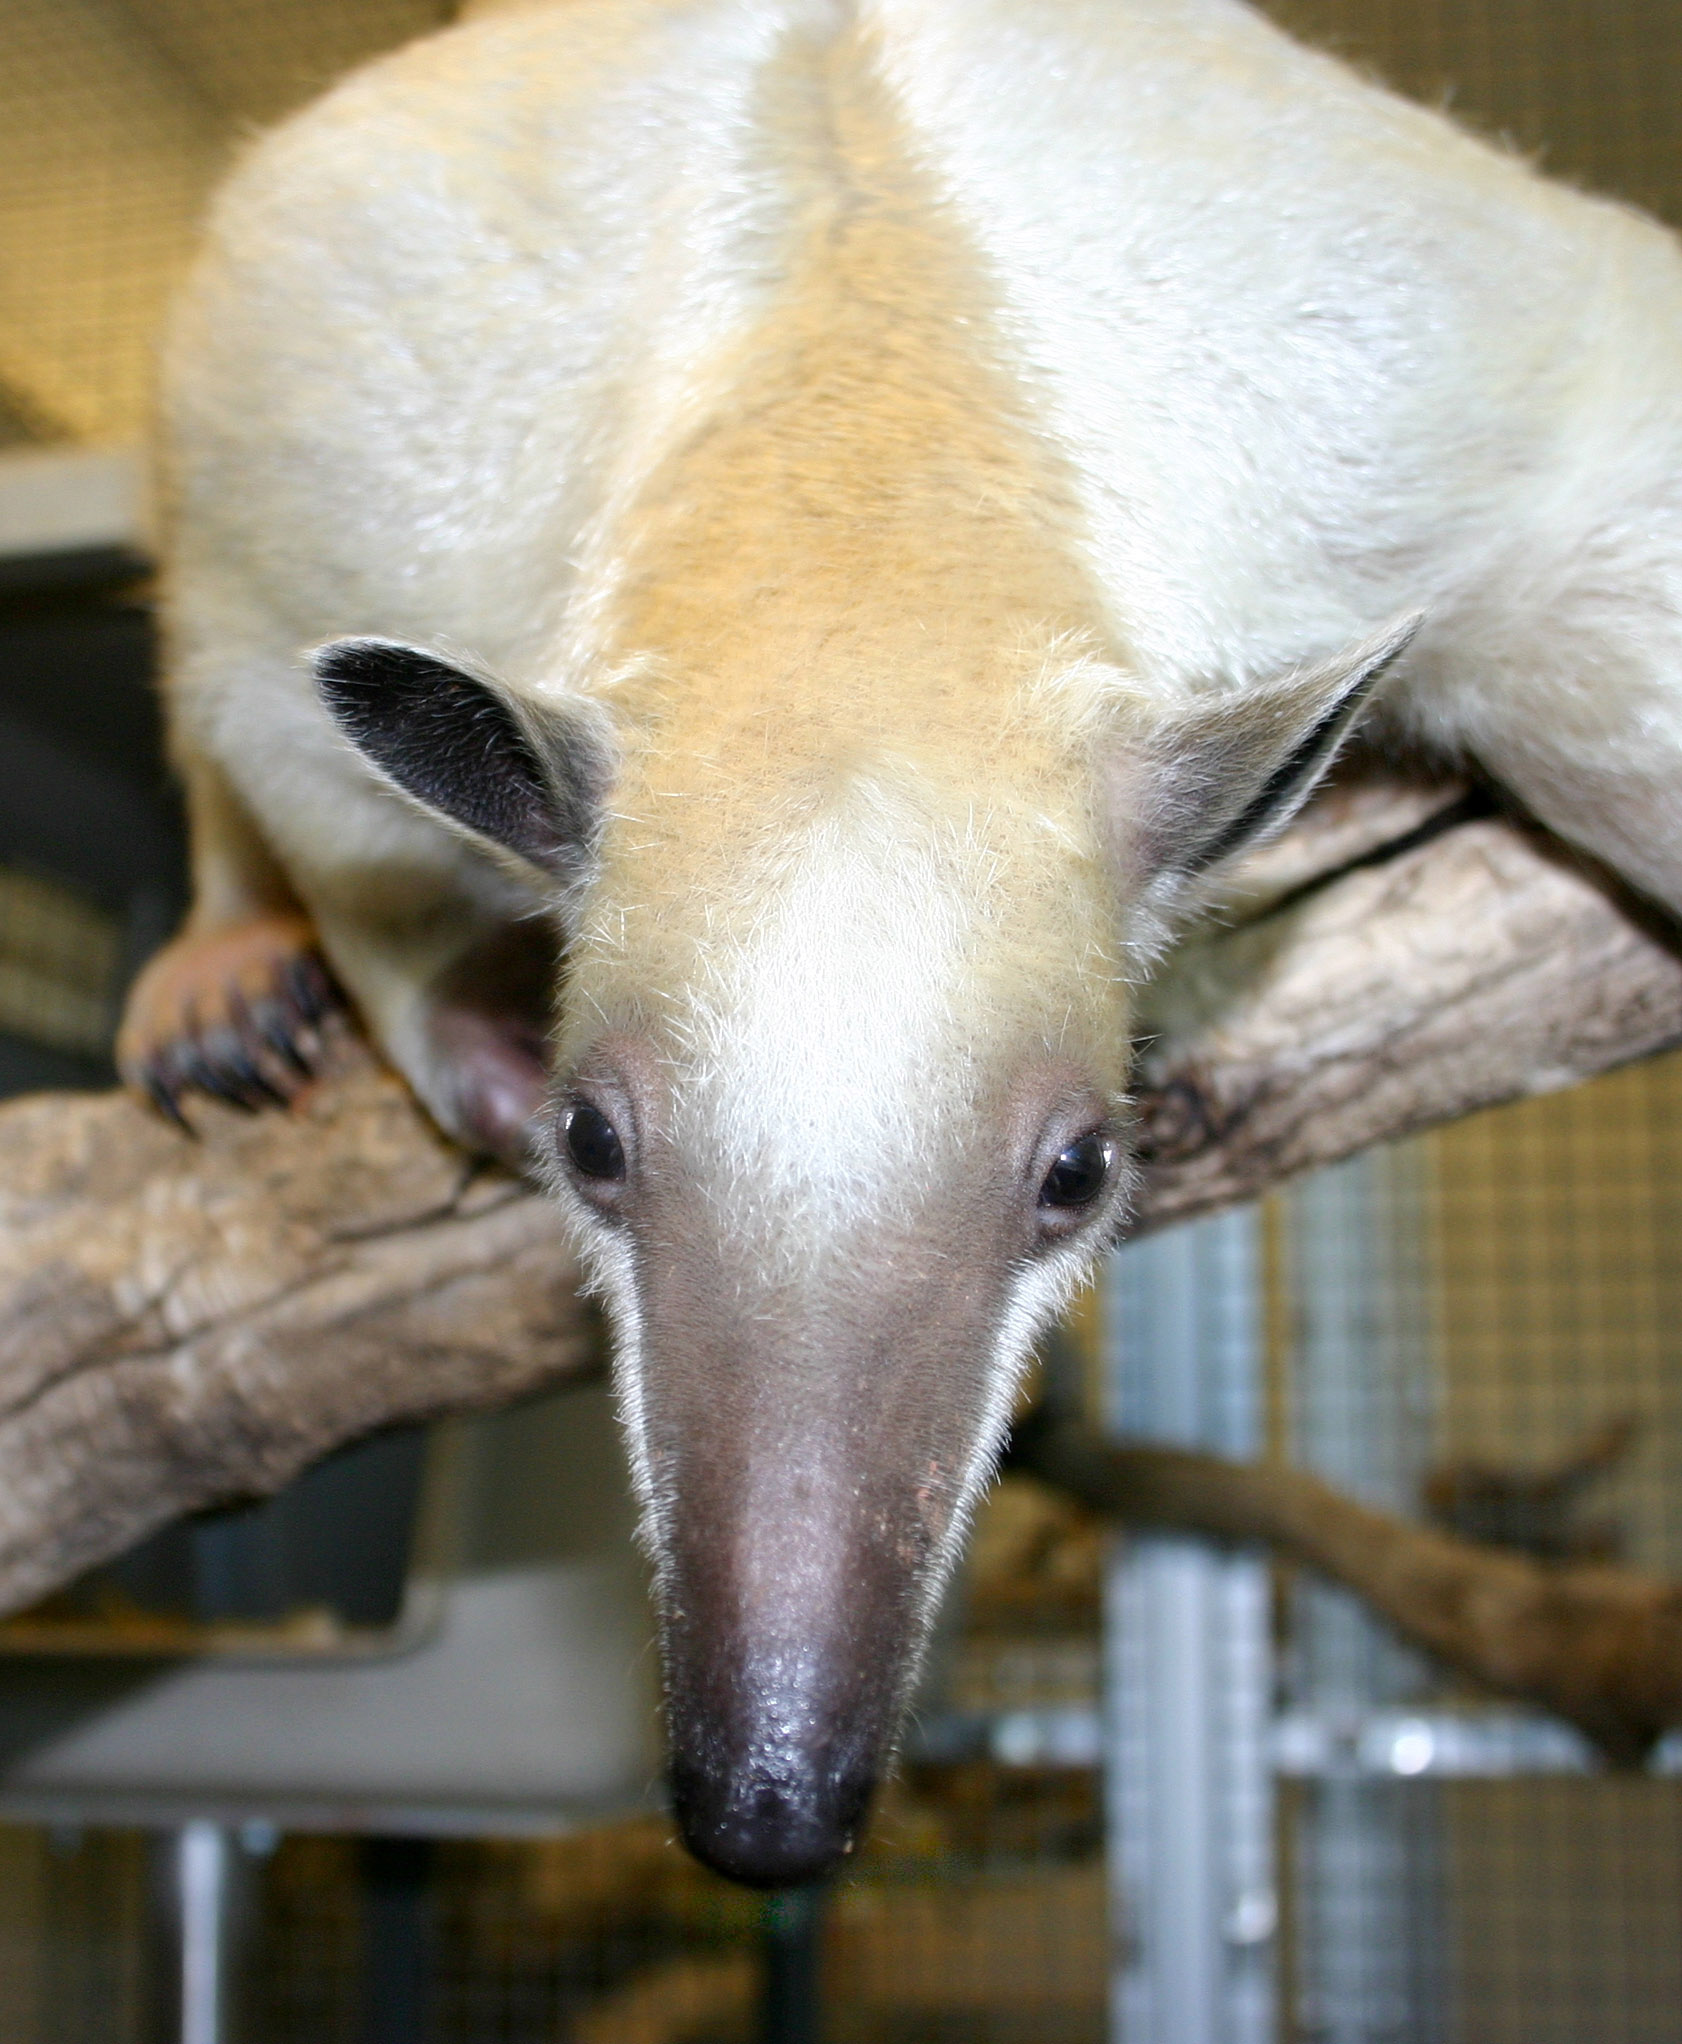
[1600, 1646]
[182, 1322]
[185, 1321]
[1482, 964]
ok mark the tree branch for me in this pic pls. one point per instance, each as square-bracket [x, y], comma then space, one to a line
[1417, 985]
[183, 1321]
[1600, 1646]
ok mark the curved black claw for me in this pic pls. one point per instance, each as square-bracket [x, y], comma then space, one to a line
[241, 1076]
[278, 1026]
[165, 1097]
[279, 1041]
[190, 1059]
[311, 988]
[259, 1056]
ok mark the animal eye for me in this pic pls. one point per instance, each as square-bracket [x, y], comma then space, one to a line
[1080, 1172]
[592, 1142]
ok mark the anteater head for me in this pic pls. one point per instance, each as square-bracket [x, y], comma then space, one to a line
[839, 1112]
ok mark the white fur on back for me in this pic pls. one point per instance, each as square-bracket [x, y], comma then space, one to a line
[1295, 357]
[1305, 349]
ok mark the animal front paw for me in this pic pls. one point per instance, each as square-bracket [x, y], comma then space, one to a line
[235, 1012]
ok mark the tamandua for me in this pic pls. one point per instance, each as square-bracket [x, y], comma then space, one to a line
[735, 565]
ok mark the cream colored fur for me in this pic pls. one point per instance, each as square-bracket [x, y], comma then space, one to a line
[904, 420]
[898, 349]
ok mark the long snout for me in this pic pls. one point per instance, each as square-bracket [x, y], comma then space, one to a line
[790, 1637]
[808, 1445]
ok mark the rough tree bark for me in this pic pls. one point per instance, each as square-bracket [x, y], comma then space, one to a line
[183, 1321]
[1404, 957]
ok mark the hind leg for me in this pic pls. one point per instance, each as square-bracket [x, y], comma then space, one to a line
[451, 976]
[233, 1005]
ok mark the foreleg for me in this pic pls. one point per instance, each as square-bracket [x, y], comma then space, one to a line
[233, 1005]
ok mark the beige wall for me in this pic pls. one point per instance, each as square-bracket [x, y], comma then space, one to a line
[115, 117]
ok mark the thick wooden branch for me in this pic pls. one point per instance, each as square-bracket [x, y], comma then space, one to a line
[1481, 964]
[182, 1321]
[1600, 1646]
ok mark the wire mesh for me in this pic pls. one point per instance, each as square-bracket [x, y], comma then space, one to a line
[976, 1916]
[1481, 1327]
[1552, 1234]
[1592, 91]
[71, 1934]
[115, 118]
[59, 960]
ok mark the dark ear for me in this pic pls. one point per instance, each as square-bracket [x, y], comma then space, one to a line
[1209, 784]
[531, 781]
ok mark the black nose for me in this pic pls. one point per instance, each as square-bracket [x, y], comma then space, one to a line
[769, 1829]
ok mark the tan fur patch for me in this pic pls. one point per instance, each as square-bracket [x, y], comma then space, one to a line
[865, 536]
[851, 574]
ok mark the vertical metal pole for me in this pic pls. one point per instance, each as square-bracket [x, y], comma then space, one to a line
[202, 1864]
[201, 1890]
[1369, 1853]
[1188, 1671]
[792, 1943]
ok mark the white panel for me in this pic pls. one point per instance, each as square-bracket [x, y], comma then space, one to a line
[62, 500]
[528, 1701]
